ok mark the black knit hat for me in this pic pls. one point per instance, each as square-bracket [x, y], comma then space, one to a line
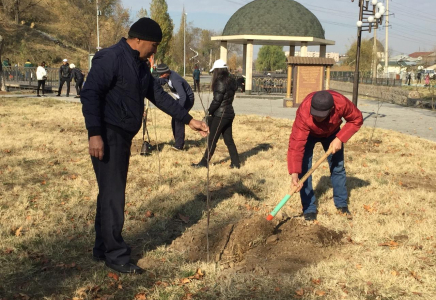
[146, 29]
[321, 104]
[162, 69]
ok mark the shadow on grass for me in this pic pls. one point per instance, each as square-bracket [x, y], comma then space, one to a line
[352, 183]
[246, 154]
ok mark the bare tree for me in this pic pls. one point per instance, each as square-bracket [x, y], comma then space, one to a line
[15, 8]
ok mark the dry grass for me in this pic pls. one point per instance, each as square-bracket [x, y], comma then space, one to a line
[48, 192]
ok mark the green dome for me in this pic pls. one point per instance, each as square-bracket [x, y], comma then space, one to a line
[274, 17]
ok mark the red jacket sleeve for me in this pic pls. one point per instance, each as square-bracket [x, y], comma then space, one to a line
[354, 119]
[297, 143]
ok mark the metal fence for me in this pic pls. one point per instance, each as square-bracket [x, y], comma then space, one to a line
[365, 78]
[27, 76]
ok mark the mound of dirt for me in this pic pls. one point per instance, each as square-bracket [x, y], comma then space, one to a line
[254, 244]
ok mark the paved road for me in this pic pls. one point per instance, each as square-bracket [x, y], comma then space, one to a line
[413, 121]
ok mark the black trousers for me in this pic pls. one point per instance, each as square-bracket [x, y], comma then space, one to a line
[79, 85]
[61, 84]
[41, 83]
[111, 173]
[197, 85]
[178, 133]
[218, 126]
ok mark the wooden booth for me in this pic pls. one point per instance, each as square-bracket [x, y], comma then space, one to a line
[307, 75]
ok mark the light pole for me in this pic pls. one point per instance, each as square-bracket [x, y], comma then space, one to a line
[368, 19]
[98, 29]
[184, 44]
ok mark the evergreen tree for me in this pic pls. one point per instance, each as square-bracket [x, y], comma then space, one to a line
[159, 13]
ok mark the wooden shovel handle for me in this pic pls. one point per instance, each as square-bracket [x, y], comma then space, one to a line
[314, 167]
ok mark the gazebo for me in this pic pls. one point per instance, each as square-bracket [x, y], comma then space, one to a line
[272, 22]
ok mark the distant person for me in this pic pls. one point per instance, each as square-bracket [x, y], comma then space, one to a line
[418, 77]
[241, 83]
[64, 76]
[427, 79]
[6, 62]
[408, 78]
[319, 120]
[27, 66]
[78, 77]
[196, 77]
[41, 76]
[221, 115]
[182, 91]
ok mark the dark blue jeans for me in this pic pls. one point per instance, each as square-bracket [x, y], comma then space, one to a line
[337, 171]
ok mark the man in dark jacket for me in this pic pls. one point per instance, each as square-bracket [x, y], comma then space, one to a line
[196, 77]
[183, 95]
[318, 119]
[64, 76]
[78, 77]
[113, 106]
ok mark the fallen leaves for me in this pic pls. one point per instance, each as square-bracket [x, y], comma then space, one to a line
[391, 244]
[113, 276]
[198, 275]
[149, 214]
[19, 231]
[299, 292]
[140, 296]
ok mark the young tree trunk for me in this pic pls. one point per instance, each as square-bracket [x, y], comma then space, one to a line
[2, 80]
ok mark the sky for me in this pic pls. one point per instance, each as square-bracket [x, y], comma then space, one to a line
[412, 26]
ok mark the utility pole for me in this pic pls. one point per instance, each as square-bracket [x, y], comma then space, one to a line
[374, 70]
[184, 44]
[387, 39]
[98, 29]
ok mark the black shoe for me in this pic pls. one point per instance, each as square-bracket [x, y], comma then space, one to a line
[38, 95]
[232, 166]
[126, 268]
[77, 96]
[199, 165]
[345, 212]
[58, 95]
[310, 216]
[176, 148]
[98, 257]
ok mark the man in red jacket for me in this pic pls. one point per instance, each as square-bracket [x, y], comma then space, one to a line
[318, 119]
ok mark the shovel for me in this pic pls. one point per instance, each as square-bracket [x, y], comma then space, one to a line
[146, 146]
[294, 188]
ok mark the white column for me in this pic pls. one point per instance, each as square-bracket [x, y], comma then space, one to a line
[303, 50]
[244, 59]
[322, 50]
[223, 51]
[249, 68]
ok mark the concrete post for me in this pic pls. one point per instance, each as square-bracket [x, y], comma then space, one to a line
[322, 50]
[249, 68]
[244, 59]
[223, 51]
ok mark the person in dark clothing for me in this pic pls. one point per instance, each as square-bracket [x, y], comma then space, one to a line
[221, 114]
[113, 107]
[241, 83]
[196, 77]
[78, 77]
[319, 119]
[408, 78]
[64, 76]
[418, 77]
[184, 96]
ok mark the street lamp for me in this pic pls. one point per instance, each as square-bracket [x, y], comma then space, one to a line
[368, 19]
[184, 44]
[98, 29]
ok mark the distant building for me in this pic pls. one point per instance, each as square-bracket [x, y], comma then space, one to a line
[333, 55]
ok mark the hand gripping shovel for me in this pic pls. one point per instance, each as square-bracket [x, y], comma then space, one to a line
[294, 188]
